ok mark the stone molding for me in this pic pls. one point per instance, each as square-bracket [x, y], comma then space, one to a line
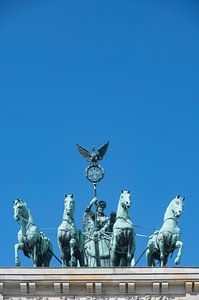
[99, 283]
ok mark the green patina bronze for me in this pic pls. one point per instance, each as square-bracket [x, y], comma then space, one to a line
[70, 239]
[164, 241]
[31, 240]
[96, 226]
[123, 238]
[97, 229]
[105, 241]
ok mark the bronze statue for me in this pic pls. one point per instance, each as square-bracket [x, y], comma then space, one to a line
[106, 241]
[70, 239]
[95, 155]
[164, 241]
[95, 223]
[31, 240]
[97, 229]
[123, 239]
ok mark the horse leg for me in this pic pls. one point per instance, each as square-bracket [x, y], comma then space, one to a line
[131, 249]
[18, 247]
[73, 260]
[149, 257]
[64, 262]
[62, 248]
[80, 258]
[63, 257]
[165, 260]
[162, 256]
[47, 258]
[115, 260]
[80, 252]
[129, 256]
[35, 258]
[178, 245]
[32, 241]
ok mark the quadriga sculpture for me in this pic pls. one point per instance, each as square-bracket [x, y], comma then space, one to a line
[31, 241]
[70, 239]
[123, 240]
[164, 241]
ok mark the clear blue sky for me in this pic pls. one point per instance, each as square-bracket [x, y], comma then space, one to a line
[91, 71]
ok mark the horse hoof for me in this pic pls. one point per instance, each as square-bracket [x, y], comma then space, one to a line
[177, 261]
[17, 262]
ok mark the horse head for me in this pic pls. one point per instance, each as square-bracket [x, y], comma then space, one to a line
[124, 204]
[177, 205]
[69, 205]
[125, 199]
[174, 210]
[19, 209]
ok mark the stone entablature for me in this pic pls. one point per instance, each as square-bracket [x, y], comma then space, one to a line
[99, 283]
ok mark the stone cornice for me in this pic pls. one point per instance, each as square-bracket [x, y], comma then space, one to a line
[109, 282]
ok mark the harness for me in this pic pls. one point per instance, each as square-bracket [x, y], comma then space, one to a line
[27, 226]
[171, 218]
[71, 223]
[125, 220]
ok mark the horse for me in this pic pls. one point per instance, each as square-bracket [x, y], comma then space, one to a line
[70, 240]
[164, 241]
[31, 241]
[123, 239]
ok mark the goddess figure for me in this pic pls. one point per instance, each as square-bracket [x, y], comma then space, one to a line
[97, 229]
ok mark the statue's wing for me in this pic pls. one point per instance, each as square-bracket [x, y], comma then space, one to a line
[102, 151]
[84, 152]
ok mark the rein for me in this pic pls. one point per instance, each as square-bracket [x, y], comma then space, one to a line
[174, 218]
[29, 223]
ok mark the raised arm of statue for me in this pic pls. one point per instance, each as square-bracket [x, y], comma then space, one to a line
[94, 200]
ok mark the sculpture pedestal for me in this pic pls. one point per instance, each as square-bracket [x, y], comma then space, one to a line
[99, 283]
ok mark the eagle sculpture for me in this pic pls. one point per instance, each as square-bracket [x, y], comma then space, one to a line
[95, 155]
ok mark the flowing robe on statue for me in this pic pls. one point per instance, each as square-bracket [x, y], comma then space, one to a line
[97, 231]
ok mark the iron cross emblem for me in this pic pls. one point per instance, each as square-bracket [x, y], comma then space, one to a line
[94, 173]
